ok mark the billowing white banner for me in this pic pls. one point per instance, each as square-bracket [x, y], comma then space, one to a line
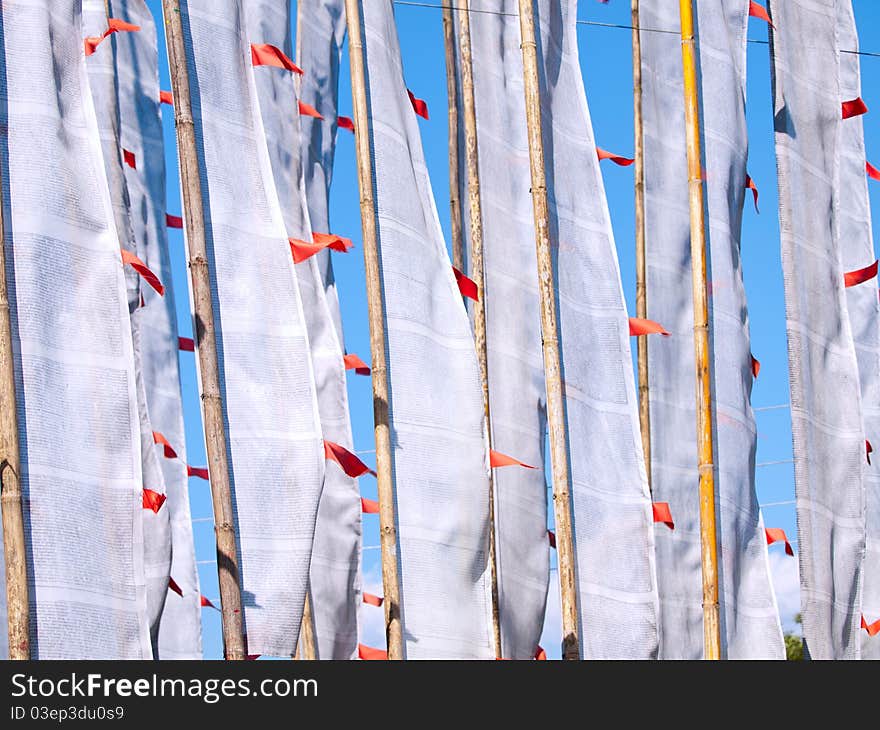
[826, 414]
[750, 624]
[439, 451]
[276, 455]
[72, 342]
[137, 78]
[335, 568]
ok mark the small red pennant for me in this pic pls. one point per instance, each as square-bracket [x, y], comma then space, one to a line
[129, 258]
[872, 629]
[173, 221]
[851, 278]
[152, 500]
[303, 250]
[540, 654]
[114, 25]
[369, 506]
[497, 459]
[165, 97]
[638, 326]
[205, 603]
[265, 54]
[616, 159]
[353, 362]
[186, 344]
[777, 534]
[419, 105]
[551, 538]
[307, 110]
[197, 471]
[467, 286]
[759, 11]
[129, 159]
[372, 600]
[174, 587]
[868, 451]
[756, 366]
[750, 185]
[169, 451]
[663, 514]
[349, 462]
[345, 123]
[368, 652]
[872, 171]
[853, 108]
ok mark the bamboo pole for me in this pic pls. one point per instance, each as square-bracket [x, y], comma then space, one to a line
[306, 649]
[212, 406]
[559, 446]
[475, 217]
[376, 314]
[452, 103]
[641, 267]
[708, 539]
[17, 600]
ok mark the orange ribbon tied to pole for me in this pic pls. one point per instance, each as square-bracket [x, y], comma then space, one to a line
[303, 250]
[851, 278]
[369, 653]
[369, 506]
[152, 500]
[349, 462]
[372, 600]
[639, 326]
[777, 534]
[265, 54]
[353, 362]
[872, 171]
[466, 285]
[419, 105]
[756, 366]
[197, 471]
[872, 629]
[204, 602]
[616, 159]
[497, 459]
[345, 123]
[750, 185]
[114, 25]
[166, 97]
[307, 110]
[169, 451]
[128, 258]
[853, 108]
[663, 514]
[759, 11]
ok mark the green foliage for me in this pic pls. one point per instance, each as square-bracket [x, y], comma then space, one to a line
[794, 648]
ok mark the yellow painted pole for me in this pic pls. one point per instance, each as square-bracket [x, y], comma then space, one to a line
[708, 537]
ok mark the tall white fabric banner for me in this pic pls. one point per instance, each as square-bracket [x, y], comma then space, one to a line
[102, 81]
[137, 78]
[826, 415]
[335, 567]
[863, 304]
[750, 625]
[72, 342]
[270, 407]
[439, 451]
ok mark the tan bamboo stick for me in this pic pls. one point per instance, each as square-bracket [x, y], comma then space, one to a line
[641, 266]
[454, 172]
[17, 599]
[212, 406]
[559, 446]
[475, 218]
[708, 538]
[306, 648]
[376, 315]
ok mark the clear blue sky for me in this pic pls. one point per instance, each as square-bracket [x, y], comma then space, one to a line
[606, 64]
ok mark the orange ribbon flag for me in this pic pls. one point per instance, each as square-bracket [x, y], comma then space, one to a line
[872, 629]
[616, 159]
[872, 171]
[303, 250]
[186, 344]
[345, 123]
[372, 600]
[197, 471]
[308, 110]
[750, 185]
[152, 500]
[165, 97]
[851, 278]
[205, 603]
[756, 366]
[353, 362]
[368, 652]
[349, 462]
[169, 451]
[129, 258]
[114, 25]
[467, 286]
[265, 54]
[853, 108]
[759, 11]
[540, 654]
[369, 506]
[777, 534]
[638, 326]
[419, 105]
[496, 459]
[663, 514]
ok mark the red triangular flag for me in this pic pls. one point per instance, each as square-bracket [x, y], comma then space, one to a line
[756, 366]
[152, 500]
[540, 654]
[853, 108]
[265, 54]
[345, 123]
[777, 534]
[308, 110]
[369, 506]
[851, 278]
[496, 459]
[616, 159]
[174, 587]
[368, 652]
[173, 221]
[872, 629]
[638, 326]
[551, 538]
[353, 362]
[114, 25]
[129, 159]
[759, 11]
[372, 600]
[169, 451]
[303, 250]
[186, 344]
[165, 97]
[663, 514]
[419, 105]
[197, 471]
[868, 451]
[467, 286]
[205, 603]
[872, 171]
[129, 258]
[349, 462]
[750, 185]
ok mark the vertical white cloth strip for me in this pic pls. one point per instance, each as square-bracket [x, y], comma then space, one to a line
[270, 407]
[77, 405]
[826, 416]
[137, 74]
[439, 450]
[102, 82]
[863, 304]
[513, 326]
[335, 567]
[750, 625]
[320, 31]
[613, 522]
